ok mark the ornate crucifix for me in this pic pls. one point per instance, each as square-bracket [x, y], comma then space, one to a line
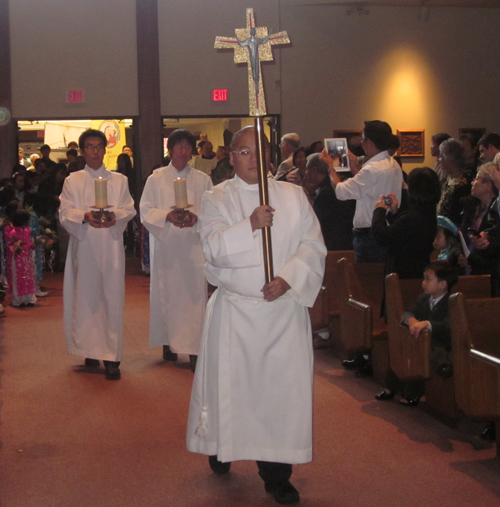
[252, 45]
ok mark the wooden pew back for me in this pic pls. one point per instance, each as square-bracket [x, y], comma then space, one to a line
[360, 300]
[331, 280]
[474, 328]
[409, 356]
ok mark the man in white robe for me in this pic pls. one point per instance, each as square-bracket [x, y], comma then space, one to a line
[178, 294]
[252, 392]
[94, 276]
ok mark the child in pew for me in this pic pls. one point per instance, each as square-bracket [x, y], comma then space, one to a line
[430, 311]
[447, 240]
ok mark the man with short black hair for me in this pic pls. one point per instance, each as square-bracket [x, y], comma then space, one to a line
[178, 292]
[94, 276]
[381, 175]
[489, 147]
[71, 156]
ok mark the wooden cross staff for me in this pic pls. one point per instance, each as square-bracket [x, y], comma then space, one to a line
[252, 45]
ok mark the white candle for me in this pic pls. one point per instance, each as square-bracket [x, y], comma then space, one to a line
[180, 191]
[101, 192]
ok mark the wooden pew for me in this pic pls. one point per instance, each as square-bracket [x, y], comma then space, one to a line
[325, 312]
[476, 357]
[320, 318]
[362, 329]
[410, 357]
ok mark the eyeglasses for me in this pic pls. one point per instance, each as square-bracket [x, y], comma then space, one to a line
[91, 147]
[243, 153]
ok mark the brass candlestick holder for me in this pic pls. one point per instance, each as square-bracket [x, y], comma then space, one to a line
[101, 214]
[183, 210]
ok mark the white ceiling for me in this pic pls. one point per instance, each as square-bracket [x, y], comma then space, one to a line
[400, 3]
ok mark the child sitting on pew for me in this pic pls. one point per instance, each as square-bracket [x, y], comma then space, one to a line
[447, 241]
[430, 311]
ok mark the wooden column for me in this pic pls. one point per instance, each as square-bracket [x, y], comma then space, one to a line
[148, 127]
[8, 132]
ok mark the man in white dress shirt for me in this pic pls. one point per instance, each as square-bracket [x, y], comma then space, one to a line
[252, 393]
[178, 294]
[94, 276]
[381, 175]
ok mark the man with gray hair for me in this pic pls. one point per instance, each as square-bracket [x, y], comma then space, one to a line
[456, 185]
[289, 143]
[335, 216]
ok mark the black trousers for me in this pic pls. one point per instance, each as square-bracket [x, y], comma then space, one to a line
[272, 473]
[409, 389]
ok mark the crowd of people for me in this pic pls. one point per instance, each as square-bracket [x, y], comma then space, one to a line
[375, 209]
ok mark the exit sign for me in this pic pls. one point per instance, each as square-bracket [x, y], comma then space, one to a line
[74, 96]
[219, 95]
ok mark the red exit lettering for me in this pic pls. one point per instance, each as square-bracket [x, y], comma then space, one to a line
[75, 96]
[219, 95]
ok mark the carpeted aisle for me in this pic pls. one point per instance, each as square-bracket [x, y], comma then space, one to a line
[70, 438]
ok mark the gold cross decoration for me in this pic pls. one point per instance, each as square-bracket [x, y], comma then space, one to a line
[252, 45]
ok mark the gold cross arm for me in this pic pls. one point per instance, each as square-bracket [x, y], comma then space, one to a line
[252, 45]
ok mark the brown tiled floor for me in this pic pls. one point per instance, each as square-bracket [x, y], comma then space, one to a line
[70, 438]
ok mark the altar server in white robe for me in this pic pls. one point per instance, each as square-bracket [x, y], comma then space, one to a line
[252, 392]
[178, 294]
[94, 276]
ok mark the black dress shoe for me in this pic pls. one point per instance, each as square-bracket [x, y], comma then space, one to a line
[112, 370]
[192, 362]
[168, 355]
[352, 364]
[364, 371]
[445, 371]
[217, 466]
[489, 432]
[384, 396]
[92, 363]
[409, 403]
[283, 492]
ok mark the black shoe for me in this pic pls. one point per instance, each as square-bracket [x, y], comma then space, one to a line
[445, 371]
[92, 363]
[192, 362]
[384, 396]
[364, 371]
[357, 362]
[283, 492]
[112, 370]
[217, 466]
[489, 432]
[409, 403]
[168, 355]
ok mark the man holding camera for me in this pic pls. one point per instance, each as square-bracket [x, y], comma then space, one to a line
[381, 175]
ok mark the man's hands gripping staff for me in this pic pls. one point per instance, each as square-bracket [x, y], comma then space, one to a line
[261, 217]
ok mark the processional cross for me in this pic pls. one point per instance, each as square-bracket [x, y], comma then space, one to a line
[252, 45]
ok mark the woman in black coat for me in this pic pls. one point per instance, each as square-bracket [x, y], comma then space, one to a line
[408, 234]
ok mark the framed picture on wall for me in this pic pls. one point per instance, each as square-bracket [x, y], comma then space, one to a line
[412, 143]
[476, 133]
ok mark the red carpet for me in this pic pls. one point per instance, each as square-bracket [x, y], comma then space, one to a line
[70, 438]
